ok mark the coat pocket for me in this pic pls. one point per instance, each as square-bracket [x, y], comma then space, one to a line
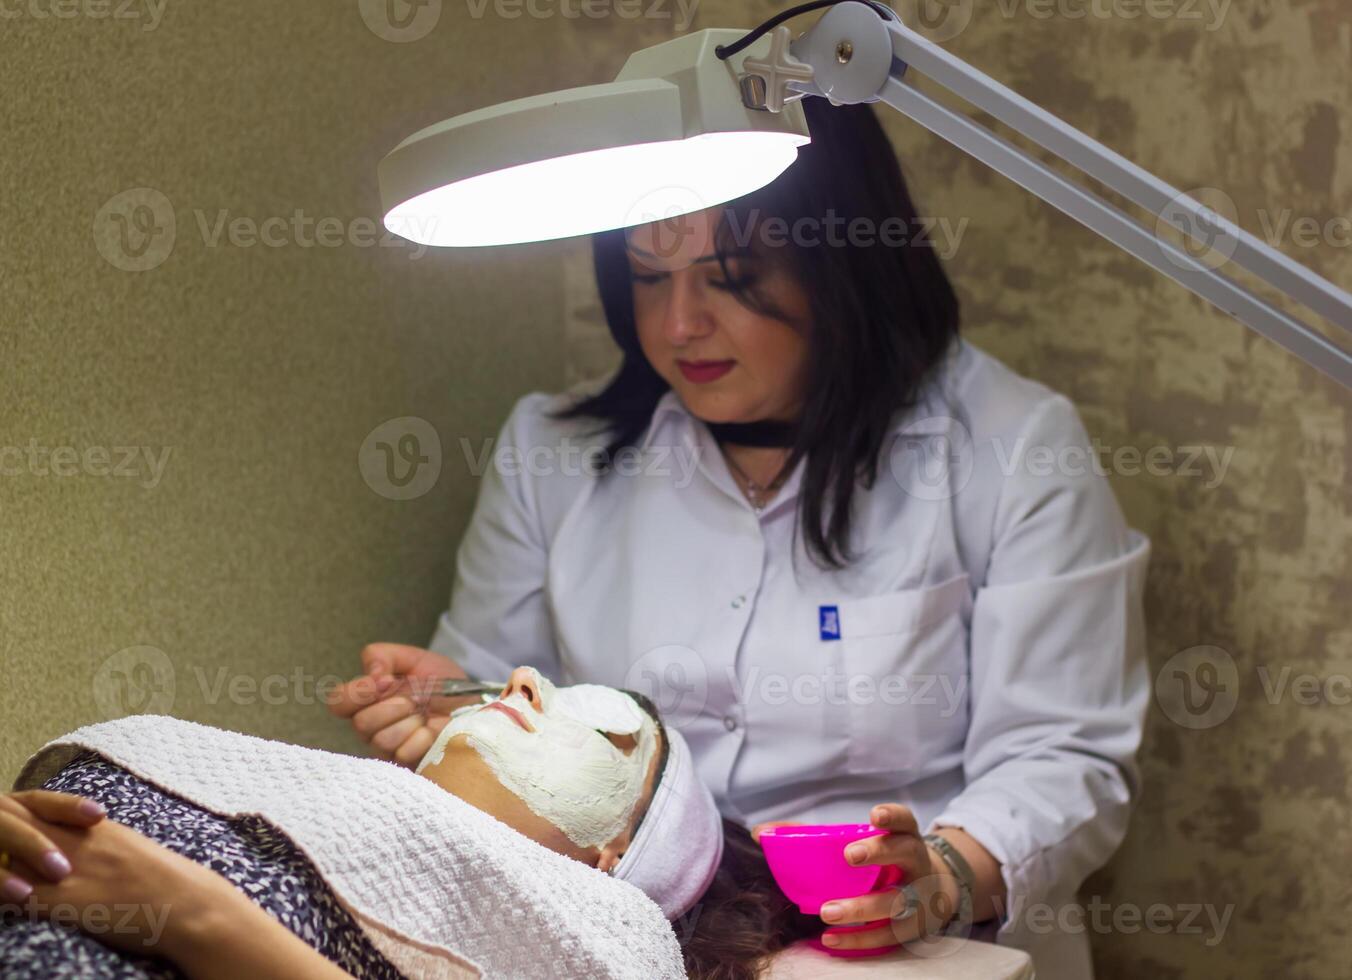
[904, 656]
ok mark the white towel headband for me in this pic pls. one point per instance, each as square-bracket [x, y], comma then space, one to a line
[679, 843]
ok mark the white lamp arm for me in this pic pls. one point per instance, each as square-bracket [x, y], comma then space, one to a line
[858, 56]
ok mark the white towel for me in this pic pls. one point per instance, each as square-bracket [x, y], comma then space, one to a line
[442, 889]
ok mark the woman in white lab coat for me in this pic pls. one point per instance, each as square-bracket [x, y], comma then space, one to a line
[867, 570]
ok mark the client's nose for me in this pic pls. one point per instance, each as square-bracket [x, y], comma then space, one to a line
[523, 682]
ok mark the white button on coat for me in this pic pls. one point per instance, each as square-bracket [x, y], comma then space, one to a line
[980, 662]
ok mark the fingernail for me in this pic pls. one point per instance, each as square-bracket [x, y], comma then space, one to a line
[830, 939]
[55, 864]
[831, 911]
[384, 682]
[90, 808]
[16, 889]
[854, 853]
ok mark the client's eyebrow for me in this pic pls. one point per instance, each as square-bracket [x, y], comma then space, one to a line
[646, 704]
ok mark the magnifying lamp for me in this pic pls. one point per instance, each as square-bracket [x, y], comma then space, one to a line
[708, 117]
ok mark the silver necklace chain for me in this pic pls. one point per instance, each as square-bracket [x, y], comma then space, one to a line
[755, 492]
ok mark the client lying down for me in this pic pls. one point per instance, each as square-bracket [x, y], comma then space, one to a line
[226, 855]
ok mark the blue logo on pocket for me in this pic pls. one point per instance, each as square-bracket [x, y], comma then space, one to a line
[828, 622]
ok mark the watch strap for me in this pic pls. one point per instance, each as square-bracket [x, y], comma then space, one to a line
[961, 870]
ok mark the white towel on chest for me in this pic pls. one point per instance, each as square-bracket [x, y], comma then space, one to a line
[442, 889]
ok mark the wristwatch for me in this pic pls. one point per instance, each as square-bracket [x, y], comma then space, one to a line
[962, 871]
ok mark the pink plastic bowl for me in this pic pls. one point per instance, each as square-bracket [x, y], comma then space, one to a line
[808, 862]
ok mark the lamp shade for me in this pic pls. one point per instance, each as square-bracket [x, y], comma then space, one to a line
[669, 136]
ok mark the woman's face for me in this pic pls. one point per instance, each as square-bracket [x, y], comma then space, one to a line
[571, 768]
[726, 362]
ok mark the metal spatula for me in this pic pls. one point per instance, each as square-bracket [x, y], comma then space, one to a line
[462, 687]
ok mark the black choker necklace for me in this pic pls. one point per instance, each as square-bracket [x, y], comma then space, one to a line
[765, 432]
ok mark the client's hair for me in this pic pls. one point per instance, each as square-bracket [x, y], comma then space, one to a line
[742, 917]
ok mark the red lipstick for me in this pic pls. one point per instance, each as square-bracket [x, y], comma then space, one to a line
[702, 372]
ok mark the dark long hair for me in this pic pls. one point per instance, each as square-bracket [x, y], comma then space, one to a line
[742, 917]
[882, 314]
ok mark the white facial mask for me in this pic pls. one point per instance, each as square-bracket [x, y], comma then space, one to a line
[564, 771]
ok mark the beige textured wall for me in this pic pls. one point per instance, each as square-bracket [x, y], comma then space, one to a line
[262, 550]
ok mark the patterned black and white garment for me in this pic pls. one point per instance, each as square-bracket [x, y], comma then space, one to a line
[250, 853]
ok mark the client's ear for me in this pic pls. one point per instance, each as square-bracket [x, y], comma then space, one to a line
[612, 852]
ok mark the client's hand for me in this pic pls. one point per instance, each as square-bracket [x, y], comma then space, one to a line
[394, 706]
[930, 898]
[123, 888]
[23, 843]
